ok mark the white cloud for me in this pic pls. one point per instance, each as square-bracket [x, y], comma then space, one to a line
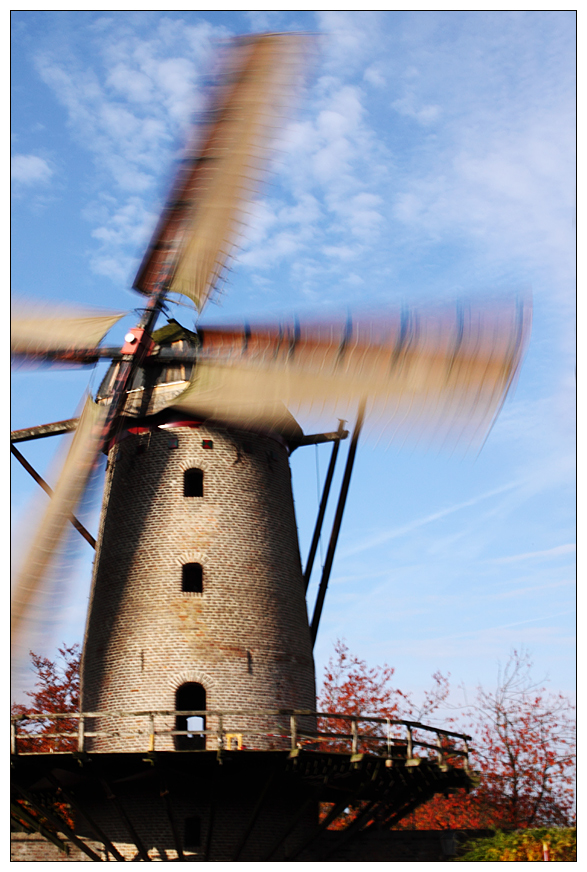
[128, 99]
[380, 538]
[426, 114]
[29, 169]
[342, 252]
[374, 76]
[557, 551]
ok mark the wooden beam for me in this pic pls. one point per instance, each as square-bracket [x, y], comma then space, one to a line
[19, 814]
[318, 438]
[332, 814]
[143, 854]
[98, 832]
[254, 815]
[58, 822]
[164, 792]
[43, 430]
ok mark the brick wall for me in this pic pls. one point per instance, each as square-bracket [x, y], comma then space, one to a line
[27, 847]
[408, 846]
[246, 637]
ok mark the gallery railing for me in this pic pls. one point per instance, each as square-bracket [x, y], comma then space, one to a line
[353, 734]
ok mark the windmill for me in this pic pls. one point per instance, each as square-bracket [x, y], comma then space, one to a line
[198, 606]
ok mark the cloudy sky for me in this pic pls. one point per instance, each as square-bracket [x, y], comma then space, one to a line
[432, 155]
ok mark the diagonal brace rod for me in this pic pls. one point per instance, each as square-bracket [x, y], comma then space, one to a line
[336, 525]
[58, 822]
[322, 509]
[41, 481]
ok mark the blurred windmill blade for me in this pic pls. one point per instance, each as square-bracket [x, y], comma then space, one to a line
[79, 462]
[443, 371]
[39, 332]
[60, 603]
[223, 165]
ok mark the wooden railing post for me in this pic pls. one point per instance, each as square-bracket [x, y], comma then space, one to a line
[81, 734]
[444, 752]
[294, 731]
[355, 734]
[152, 731]
[220, 733]
[440, 752]
[466, 755]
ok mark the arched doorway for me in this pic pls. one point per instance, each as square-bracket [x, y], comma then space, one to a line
[190, 697]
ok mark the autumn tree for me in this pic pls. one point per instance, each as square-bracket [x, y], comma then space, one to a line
[56, 691]
[352, 687]
[523, 741]
[526, 749]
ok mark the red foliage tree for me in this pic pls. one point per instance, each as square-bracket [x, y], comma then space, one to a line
[56, 691]
[523, 742]
[352, 687]
[524, 749]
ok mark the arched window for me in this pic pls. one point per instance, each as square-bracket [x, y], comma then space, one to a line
[193, 483]
[190, 697]
[191, 578]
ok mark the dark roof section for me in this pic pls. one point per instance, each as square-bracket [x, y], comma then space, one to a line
[173, 332]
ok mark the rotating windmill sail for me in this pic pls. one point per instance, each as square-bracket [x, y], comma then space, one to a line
[197, 606]
[447, 371]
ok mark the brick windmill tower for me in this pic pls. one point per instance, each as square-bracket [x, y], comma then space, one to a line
[197, 734]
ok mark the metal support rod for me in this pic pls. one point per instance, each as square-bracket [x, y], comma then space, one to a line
[130, 829]
[212, 815]
[314, 797]
[176, 840]
[58, 822]
[254, 815]
[336, 525]
[352, 830]
[98, 832]
[353, 826]
[404, 811]
[19, 814]
[322, 509]
[332, 814]
[41, 481]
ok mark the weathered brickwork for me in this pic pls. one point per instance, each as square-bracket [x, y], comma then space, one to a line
[32, 847]
[415, 846]
[245, 638]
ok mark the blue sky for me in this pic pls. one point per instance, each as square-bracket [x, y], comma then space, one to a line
[432, 155]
